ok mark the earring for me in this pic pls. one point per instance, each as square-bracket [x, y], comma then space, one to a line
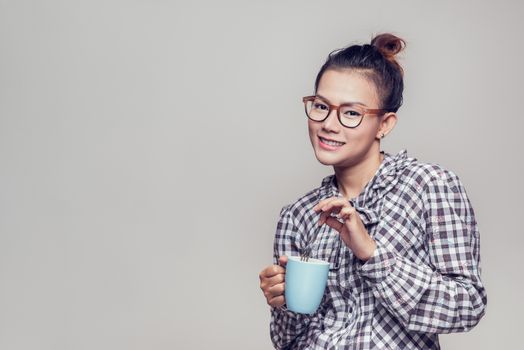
[382, 135]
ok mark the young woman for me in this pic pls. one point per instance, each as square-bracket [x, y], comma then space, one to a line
[400, 235]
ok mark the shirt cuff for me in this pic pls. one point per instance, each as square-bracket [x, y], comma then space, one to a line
[288, 314]
[289, 320]
[379, 266]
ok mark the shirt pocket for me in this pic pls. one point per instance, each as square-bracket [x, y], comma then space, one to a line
[327, 247]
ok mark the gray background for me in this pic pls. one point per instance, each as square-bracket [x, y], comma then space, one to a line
[146, 148]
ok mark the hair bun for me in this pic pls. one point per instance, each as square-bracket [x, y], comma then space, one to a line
[389, 45]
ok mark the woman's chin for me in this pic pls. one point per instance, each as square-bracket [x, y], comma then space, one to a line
[326, 162]
[326, 159]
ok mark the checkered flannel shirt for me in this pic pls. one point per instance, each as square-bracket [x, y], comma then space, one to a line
[424, 276]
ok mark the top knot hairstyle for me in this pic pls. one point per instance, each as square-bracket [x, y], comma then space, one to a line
[377, 61]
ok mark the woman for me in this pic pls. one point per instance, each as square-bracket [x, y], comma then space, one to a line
[400, 235]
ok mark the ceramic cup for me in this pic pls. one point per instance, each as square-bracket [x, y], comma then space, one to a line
[305, 284]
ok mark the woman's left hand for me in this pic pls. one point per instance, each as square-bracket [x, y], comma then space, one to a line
[351, 228]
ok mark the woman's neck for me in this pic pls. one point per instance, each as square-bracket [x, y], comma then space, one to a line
[352, 180]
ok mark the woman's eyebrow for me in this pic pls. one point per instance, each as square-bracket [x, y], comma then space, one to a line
[343, 103]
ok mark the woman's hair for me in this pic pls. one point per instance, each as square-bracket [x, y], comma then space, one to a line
[377, 61]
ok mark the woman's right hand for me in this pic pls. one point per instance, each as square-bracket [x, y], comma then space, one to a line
[272, 282]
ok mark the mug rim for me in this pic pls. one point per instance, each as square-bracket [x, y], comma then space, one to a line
[311, 261]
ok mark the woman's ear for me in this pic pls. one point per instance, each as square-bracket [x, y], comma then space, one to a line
[387, 123]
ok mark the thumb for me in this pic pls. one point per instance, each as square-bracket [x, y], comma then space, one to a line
[282, 261]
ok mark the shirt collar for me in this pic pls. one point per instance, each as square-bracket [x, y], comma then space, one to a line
[385, 178]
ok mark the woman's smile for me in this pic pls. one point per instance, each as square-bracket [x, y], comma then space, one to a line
[329, 145]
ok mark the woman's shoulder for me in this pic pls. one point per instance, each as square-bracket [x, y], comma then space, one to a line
[425, 173]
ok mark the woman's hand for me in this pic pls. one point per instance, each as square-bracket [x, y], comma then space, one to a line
[351, 228]
[272, 282]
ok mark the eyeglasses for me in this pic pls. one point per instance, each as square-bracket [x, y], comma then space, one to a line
[349, 115]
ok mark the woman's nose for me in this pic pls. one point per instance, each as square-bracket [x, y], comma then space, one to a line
[331, 122]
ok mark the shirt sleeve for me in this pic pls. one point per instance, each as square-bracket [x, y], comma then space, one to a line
[286, 325]
[446, 295]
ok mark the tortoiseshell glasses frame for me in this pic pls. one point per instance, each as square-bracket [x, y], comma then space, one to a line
[350, 115]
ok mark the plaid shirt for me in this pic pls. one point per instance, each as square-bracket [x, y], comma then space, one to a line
[423, 279]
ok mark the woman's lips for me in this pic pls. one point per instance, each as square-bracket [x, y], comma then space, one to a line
[331, 146]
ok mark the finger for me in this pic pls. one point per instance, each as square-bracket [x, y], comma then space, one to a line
[335, 203]
[271, 271]
[322, 202]
[276, 290]
[277, 279]
[323, 217]
[266, 283]
[282, 261]
[334, 223]
[328, 210]
[277, 301]
[346, 213]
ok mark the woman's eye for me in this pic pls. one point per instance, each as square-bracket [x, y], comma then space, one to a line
[319, 106]
[351, 113]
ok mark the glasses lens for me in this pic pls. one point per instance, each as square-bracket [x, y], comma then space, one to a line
[317, 109]
[350, 116]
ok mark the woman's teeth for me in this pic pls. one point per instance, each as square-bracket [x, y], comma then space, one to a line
[331, 143]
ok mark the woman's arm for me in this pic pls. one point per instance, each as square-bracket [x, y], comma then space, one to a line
[286, 325]
[447, 295]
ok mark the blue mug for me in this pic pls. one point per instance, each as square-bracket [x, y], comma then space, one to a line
[305, 283]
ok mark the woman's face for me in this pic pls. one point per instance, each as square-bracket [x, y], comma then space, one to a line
[339, 87]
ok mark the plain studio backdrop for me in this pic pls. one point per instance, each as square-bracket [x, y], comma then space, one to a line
[147, 147]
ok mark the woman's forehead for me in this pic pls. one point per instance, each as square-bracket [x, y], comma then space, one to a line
[343, 86]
